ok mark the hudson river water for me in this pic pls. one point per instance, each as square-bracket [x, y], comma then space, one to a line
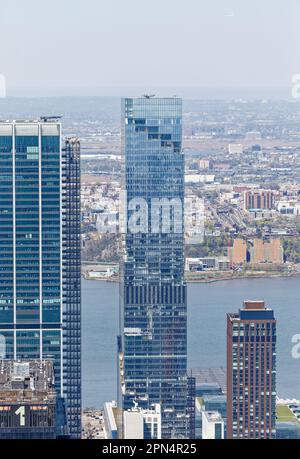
[207, 308]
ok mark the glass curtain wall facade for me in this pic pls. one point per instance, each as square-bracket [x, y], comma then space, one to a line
[33, 235]
[153, 323]
[71, 232]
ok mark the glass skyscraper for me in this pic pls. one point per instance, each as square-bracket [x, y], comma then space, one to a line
[40, 253]
[153, 322]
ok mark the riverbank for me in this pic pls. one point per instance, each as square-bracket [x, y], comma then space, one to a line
[209, 277]
[225, 276]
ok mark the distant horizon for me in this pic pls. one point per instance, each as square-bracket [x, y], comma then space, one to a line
[189, 93]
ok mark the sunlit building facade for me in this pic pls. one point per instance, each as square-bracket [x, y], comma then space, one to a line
[251, 372]
[40, 253]
[153, 323]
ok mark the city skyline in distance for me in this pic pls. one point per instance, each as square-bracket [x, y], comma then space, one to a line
[186, 93]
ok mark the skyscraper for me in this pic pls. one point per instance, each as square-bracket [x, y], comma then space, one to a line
[251, 372]
[153, 327]
[40, 253]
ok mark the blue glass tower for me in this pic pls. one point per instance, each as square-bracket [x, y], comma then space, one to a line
[40, 253]
[153, 327]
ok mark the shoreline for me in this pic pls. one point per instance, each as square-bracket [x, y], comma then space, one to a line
[254, 276]
[210, 280]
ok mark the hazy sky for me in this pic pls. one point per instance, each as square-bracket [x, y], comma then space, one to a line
[98, 46]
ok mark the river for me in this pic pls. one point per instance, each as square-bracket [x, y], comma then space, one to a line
[208, 304]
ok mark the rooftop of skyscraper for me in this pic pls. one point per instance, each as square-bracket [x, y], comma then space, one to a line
[212, 416]
[254, 304]
[253, 310]
[31, 381]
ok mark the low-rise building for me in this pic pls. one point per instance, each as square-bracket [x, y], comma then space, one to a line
[112, 420]
[139, 423]
[136, 423]
[235, 148]
[197, 264]
[212, 425]
[288, 207]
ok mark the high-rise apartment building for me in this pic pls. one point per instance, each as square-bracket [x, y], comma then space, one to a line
[153, 325]
[259, 200]
[266, 251]
[238, 252]
[251, 372]
[40, 253]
